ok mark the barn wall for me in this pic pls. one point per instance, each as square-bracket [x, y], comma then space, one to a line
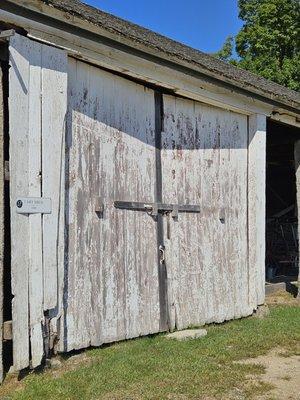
[90, 272]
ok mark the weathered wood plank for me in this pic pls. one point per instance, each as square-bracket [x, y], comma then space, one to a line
[20, 48]
[204, 161]
[35, 220]
[38, 87]
[297, 170]
[1, 218]
[112, 290]
[256, 213]
[54, 108]
[234, 209]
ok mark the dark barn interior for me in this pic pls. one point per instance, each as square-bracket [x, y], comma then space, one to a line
[281, 205]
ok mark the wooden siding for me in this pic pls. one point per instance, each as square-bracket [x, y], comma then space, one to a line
[19, 183]
[112, 285]
[37, 107]
[1, 217]
[54, 108]
[204, 161]
[92, 270]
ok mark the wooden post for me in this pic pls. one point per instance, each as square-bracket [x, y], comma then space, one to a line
[297, 171]
[256, 208]
[37, 105]
[1, 221]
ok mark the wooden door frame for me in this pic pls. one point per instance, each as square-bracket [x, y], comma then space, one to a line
[1, 217]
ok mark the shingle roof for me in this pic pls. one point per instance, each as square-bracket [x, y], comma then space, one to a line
[179, 52]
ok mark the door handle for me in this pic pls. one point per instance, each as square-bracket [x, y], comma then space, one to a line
[162, 251]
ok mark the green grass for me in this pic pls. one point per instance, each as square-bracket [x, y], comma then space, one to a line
[156, 368]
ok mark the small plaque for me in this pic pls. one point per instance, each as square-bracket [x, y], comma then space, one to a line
[33, 205]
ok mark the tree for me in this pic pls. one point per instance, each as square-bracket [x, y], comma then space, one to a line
[225, 54]
[269, 42]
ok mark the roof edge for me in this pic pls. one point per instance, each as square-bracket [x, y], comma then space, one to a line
[142, 38]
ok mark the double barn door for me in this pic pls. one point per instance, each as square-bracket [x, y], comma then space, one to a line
[157, 210]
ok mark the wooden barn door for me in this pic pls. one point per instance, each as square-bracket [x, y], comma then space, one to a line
[156, 211]
[204, 162]
[112, 275]
[37, 109]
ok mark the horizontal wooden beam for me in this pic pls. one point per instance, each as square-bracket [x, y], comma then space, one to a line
[180, 79]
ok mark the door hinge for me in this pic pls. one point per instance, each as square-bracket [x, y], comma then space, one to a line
[7, 330]
[6, 170]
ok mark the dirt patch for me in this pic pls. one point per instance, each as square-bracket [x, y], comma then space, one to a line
[282, 371]
[282, 298]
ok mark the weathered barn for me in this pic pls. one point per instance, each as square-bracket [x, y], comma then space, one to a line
[133, 181]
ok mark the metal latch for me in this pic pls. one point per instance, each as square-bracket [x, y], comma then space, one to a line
[175, 212]
[162, 251]
[155, 208]
[99, 206]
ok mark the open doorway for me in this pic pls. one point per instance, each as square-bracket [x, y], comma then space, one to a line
[282, 253]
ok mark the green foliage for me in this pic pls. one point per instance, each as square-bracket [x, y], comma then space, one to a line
[269, 42]
[226, 51]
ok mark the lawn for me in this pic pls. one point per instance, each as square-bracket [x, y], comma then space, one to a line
[156, 368]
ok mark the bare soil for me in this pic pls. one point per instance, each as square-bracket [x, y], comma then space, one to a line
[282, 371]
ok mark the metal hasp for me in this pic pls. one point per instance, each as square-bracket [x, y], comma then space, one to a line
[155, 208]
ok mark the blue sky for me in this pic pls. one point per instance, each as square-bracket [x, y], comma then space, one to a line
[202, 24]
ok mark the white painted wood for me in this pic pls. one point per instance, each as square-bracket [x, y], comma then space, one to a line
[38, 98]
[19, 73]
[256, 208]
[109, 287]
[286, 119]
[297, 171]
[204, 162]
[1, 218]
[54, 108]
[35, 220]
[112, 286]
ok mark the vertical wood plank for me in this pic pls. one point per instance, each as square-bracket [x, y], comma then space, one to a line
[1, 219]
[20, 48]
[256, 208]
[297, 171]
[54, 108]
[233, 207]
[35, 220]
[37, 71]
